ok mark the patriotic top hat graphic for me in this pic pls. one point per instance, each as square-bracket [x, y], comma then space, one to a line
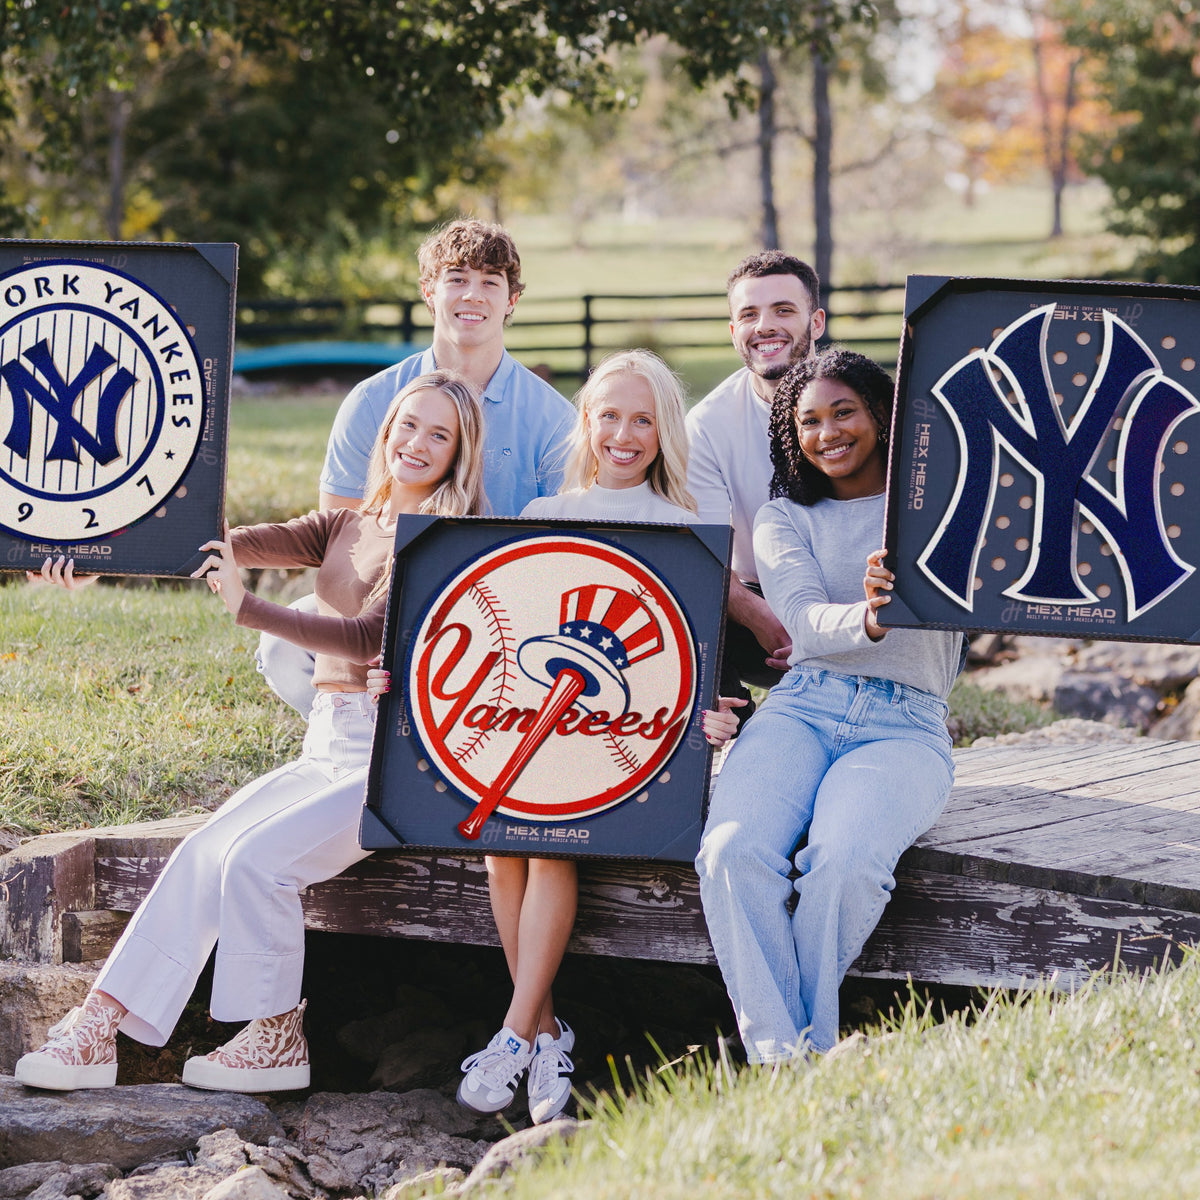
[602, 632]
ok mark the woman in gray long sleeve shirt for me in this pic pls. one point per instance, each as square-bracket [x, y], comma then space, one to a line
[850, 748]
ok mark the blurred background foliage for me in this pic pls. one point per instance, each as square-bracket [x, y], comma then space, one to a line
[326, 139]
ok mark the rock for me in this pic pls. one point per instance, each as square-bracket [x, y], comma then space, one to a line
[519, 1146]
[48, 1180]
[80, 1179]
[377, 1139]
[32, 998]
[419, 1059]
[1105, 697]
[1165, 668]
[166, 1183]
[251, 1183]
[1072, 731]
[443, 1180]
[1182, 723]
[1033, 676]
[221, 1160]
[125, 1125]
[415, 1009]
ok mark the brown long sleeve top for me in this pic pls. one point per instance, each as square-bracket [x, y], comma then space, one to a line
[350, 551]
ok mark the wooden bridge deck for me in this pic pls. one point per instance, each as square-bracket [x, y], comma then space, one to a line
[1046, 860]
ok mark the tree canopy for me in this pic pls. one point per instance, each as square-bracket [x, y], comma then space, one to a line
[273, 121]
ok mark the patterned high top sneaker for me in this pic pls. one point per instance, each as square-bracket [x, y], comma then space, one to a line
[269, 1055]
[79, 1052]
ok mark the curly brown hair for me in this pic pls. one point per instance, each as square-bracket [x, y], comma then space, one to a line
[794, 476]
[481, 245]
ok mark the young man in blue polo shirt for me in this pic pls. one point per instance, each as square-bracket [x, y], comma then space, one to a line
[470, 276]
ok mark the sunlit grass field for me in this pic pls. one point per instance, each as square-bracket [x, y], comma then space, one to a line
[1091, 1096]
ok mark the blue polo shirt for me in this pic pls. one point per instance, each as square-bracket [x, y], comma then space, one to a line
[526, 425]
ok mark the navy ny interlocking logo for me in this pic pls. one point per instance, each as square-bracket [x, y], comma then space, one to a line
[102, 401]
[59, 397]
[1129, 397]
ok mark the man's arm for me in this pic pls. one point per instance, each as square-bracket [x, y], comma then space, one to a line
[706, 481]
[750, 609]
[329, 500]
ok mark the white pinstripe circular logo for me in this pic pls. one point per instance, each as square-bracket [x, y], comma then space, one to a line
[102, 401]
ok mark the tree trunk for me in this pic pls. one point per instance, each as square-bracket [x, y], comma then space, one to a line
[118, 121]
[769, 233]
[822, 170]
[1062, 158]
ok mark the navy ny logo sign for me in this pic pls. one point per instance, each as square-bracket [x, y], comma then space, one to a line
[103, 402]
[1003, 396]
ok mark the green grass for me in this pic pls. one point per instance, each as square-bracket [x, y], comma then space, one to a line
[1039, 1095]
[128, 703]
[276, 448]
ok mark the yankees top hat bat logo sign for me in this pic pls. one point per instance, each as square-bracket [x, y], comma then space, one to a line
[112, 402]
[551, 680]
[1043, 468]
[546, 703]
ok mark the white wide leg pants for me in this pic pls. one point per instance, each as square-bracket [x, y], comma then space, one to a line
[236, 883]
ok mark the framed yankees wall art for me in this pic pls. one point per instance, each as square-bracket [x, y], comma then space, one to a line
[548, 680]
[1045, 459]
[115, 366]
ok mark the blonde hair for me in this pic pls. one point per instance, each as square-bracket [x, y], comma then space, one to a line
[668, 472]
[461, 492]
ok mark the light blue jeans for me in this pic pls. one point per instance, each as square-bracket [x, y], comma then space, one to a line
[863, 766]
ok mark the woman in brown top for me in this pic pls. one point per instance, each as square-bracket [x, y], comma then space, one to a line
[235, 882]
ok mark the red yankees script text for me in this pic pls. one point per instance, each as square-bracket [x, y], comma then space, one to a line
[494, 717]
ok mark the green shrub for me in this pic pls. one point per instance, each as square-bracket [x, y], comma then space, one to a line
[978, 712]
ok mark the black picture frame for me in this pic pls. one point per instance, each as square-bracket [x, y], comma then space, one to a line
[115, 371]
[624, 783]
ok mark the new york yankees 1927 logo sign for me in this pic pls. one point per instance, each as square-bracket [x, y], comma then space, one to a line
[102, 401]
[546, 699]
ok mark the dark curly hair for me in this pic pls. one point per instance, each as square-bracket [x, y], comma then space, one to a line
[794, 476]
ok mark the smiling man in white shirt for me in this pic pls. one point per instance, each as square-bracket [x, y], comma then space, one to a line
[775, 320]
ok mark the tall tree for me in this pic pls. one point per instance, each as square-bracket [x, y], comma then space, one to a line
[1146, 62]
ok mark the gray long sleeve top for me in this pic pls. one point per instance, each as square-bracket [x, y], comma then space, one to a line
[811, 562]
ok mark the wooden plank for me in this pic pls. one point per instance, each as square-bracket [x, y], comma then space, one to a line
[628, 910]
[39, 881]
[89, 936]
[953, 930]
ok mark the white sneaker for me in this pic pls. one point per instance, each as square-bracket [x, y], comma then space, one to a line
[492, 1075]
[79, 1052]
[566, 1036]
[550, 1075]
[269, 1055]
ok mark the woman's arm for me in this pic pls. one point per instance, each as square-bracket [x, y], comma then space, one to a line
[355, 639]
[795, 586]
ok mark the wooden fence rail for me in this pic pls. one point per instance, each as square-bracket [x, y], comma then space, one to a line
[571, 333]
